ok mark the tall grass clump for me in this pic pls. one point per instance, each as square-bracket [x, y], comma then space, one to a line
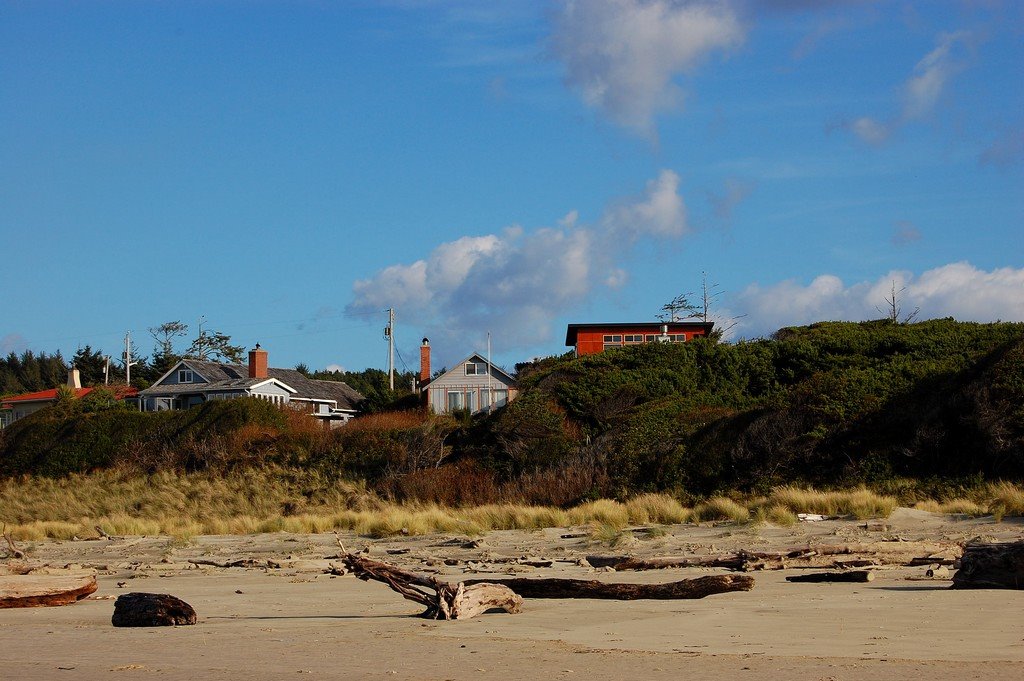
[656, 508]
[859, 503]
[721, 508]
[1007, 499]
[600, 512]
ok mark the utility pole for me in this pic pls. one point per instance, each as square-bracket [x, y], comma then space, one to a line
[106, 370]
[128, 358]
[389, 333]
[490, 374]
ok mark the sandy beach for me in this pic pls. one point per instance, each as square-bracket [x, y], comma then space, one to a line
[285, 616]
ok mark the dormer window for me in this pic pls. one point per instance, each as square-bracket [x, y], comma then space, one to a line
[184, 376]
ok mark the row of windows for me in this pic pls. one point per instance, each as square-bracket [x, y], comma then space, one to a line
[468, 399]
[616, 340]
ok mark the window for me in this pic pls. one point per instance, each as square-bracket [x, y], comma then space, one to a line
[476, 369]
[613, 339]
[634, 338]
[500, 398]
[458, 399]
[184, 376]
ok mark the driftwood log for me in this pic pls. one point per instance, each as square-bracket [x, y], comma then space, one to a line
[583, 588]
[151, 610]
[472, 597]
[448, 602]
[842, 556]
[34, 590]
[991, 566]
[848, 576]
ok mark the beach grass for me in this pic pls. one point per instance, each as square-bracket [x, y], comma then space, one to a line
[260, 500]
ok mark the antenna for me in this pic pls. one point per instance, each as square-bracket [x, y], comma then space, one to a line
[128, 363]
[490, 375]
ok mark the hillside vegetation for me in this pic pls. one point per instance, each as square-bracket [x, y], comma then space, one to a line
[935, 405]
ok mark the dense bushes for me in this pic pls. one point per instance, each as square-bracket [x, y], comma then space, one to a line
[831, 403]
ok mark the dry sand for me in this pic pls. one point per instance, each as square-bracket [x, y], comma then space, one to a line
[292, 621]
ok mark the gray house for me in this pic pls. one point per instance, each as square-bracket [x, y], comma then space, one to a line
[473, 384]
[191, 382]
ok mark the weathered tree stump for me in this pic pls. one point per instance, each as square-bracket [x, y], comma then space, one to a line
[448, 602]
[991, 566]
[151, 610]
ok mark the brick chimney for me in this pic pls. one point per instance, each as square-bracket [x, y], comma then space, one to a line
[257, 362]
[74, 378]
[425, 362]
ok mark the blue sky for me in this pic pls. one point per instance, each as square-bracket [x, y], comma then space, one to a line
[287, 171]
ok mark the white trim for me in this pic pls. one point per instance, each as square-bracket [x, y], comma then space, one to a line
[273, 380]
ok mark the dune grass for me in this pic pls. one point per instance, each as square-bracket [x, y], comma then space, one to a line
[261, 500]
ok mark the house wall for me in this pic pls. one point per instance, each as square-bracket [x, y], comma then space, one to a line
[20, 411]
[473, 389]
[592, 340]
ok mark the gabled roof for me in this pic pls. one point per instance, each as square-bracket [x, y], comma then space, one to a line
[573, 329]
[478, 358]
[236, 377]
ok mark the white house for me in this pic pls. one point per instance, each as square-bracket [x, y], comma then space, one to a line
[191, 382]
[474, 384]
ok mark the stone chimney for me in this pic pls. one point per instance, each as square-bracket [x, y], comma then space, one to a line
[257, 362]
[425, 362]
[74, 378]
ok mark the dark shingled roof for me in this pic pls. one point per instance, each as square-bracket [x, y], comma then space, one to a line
[236, 377]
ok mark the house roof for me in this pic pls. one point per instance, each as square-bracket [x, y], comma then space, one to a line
[51, 395]
[480, 358]
[673, 327]
[236, 377]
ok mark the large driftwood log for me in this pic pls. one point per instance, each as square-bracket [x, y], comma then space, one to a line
[448, 602]
[151, 610]
[848, 576]
[582, 588]
[34, 590]
[991, 566]
[470, 598]
[841, 556]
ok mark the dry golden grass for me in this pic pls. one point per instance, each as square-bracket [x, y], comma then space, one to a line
[776, 514]
[286, 500]
[721, 508]
[1006, 499]
[859, 503]
[656, 508]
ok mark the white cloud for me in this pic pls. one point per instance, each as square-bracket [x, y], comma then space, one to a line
[921, 92]
[335, 367]
[624, 55]
[515, 283]
[931, 75]
[870, 130]
[660, 212]
[957, 290]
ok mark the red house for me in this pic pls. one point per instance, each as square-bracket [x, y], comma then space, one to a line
[589, 339]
